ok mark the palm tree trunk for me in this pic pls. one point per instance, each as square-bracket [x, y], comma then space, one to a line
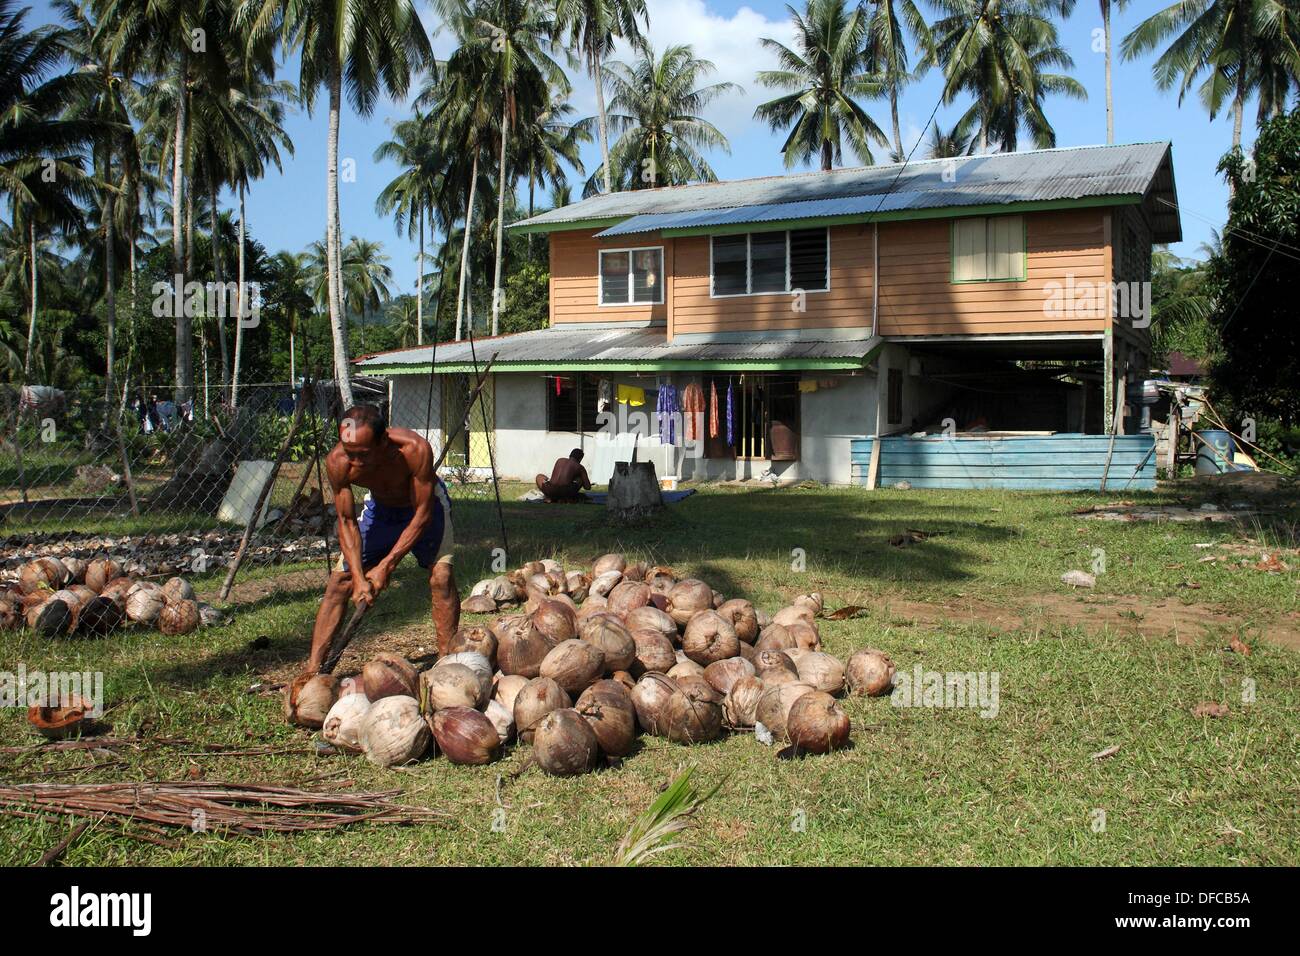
[501, 216]
[338, 319]
[31, 325]
[827, 155]
[461, 292]
[1238, 113]
[419, 286]
[893, 114]
[293, 371]
[239, 308]
[602, 120]
[1110, 103]
[110, 292]
[184, 327]
[219, 273]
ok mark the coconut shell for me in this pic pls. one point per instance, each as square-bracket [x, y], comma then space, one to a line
[709, 637]
[564, 744]
[741, 616]
[740, 709]
[774, 706]
[649, 697]
[342, 726]
[522, 649]
[541, 696]
[178, 589]
[616, 644]
[608, 562]
[179, 617]
[607, 706]
[817, 723]
[308, 699]
[465, 736]
[823, 671]
[556, 622]
[574, 665]
[690, 719]
[393, 732]
[506, 688]
[654, 652]
[73, 718]
[100, 616]
[870, 672]
[722, 675]
[628, 596]
[503, 720]
[688, 598]
[76, 570]
[451, 685]
[100, 572]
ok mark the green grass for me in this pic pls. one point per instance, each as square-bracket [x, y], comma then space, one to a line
[919, 786]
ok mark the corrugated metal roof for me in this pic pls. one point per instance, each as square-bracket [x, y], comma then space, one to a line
[643, 346]
[1073, 173]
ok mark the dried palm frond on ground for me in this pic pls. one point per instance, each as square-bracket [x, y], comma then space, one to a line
[203, 806]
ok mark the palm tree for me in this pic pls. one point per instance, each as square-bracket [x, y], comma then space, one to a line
[547, 141]
[366, 276]
[951, 144]
[40, 149]
[368, 46]
[591, 27]
[825, 76]
[291, 274]
[658, 100]
[887, 51]
[406, 317]
[1230, 40]
[411, 193]
[996, 50]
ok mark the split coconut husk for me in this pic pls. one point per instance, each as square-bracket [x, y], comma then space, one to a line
[71, 719]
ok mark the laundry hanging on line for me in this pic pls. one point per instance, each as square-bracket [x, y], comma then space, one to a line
[693, 410]
[666, 410]
[631, 395]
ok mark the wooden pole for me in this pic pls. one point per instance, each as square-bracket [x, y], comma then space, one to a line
[265, 493]
[126, 470]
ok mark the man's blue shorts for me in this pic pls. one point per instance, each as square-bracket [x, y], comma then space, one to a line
[382, 525]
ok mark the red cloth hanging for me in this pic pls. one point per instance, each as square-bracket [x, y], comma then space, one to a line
[693, 410]
[713, 409]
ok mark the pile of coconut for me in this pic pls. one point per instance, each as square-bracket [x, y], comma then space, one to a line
[587, 662]
[57, 597]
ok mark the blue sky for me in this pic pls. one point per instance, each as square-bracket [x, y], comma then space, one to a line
[287, 210]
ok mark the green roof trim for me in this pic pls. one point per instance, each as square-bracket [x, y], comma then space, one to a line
[666, 365]
[936, 212]
[599, 223]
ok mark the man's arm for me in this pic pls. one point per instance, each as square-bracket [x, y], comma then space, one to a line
[419, 458]
[583, 479]
[349, 534]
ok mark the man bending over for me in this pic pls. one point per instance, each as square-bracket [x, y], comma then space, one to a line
[568, 479]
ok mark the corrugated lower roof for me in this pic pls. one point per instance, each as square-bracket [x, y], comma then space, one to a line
[1138, 171]
[557, 349]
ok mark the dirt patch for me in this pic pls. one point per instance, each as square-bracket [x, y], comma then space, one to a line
[1122, 613]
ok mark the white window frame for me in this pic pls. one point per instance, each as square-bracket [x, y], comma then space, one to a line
[630, 303]
[749, 266]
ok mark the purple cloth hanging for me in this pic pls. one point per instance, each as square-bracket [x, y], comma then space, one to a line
[730, 438]
[666, 410]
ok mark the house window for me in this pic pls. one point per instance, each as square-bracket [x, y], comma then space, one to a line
[894, 384]
[988, 249]
[770, 262]
[571, 403]
[632, 276]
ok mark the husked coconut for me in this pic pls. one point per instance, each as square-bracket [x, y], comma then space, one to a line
[823, 671]
[709, 637]
[817, 723]
[100, 571]
[555, 621]
[477, 639]
[393, 732]
[308, 699]
[178, 589]
[507, 689]
[503, 720]
[607, 707]
[465, 736]
[688, 598]
[389, 675]
[650, 618]
[741, 705]
[564, 744]
[649, 697]
[617, 646]
[541, 696]
[774, 706]
[179, 617]
[722, 675]
[870, 672]
[629, 595]
[342, 726]
[608, 562]
[654, 652]
[740, 614]
[521, 649]
[774, 637]
[574, 665]
[603, 583]
[686, 668]
[451, 685]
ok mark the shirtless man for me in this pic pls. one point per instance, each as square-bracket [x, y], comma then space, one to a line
[406, 510]
[567, 481]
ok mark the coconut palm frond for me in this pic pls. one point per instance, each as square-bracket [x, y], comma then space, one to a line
[655, 831]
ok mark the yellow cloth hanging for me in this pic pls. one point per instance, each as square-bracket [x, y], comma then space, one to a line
[631, 395]
[808, 385]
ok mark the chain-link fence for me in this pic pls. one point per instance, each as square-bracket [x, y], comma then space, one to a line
[171, 486]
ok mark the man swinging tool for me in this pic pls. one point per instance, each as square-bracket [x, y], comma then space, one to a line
[406, 510]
